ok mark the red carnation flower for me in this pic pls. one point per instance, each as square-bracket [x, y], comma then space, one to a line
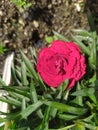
[61, 61]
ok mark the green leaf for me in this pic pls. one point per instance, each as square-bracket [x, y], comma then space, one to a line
[67, 117]
[82, 46]
[92, 79]
[18, 96]
[34, 98]
[49, 39]
[29, 66]
[45, 122]
[18, 90]
[41, 83]
[79, 98]
[84, 92]
[24, 74]
[55, 37]
[65, 84]
[62, 88]
[69, 127]
[60, 37]
[89, 118]
[89, 126]
[9, 116]
[33, 54]
[67, 108]
[14, 77]
[87, 39]
[23, 103]
[79, 127]
[83, 32]
[30, 109]
[91, 20]
[10, 101]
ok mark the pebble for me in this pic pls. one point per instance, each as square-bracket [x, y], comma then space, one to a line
[36, 24]
[25, 15]
[1, 13]
[21, 22]
[49, 6]
[25, 33]
[78, 7]
[6, 41]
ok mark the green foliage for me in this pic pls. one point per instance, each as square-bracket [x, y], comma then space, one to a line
[2, 49]
[21, 4]
[36, 106]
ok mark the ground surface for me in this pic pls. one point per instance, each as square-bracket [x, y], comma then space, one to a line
[19, 30]
[30, 27]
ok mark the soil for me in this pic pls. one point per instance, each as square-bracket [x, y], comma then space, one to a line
[19, 30]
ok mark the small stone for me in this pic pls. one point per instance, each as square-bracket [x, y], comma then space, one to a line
[36, 24]
[1, 13]
[21, 22]
[25, 15]
[49, 6]
[6, 41]
[41, 35]
[59, 1]
[25, 33]
[78, 7]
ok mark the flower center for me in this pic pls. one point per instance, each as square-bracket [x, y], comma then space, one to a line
[60, 65]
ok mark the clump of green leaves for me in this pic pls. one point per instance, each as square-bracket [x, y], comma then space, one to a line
[35, 106]
[21, 4]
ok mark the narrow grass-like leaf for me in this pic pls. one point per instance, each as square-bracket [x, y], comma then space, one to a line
[79, 98]
[92, 79]
[23, 105]
[82, 46]
[41, 83]
[89, 118]
[35, 98]
[19, 96]
[89, 126]
[9, 116]
[16, 90]
[79, 127]
[91, 20]
[33, 54]
[53, 112]
[82, 32]
[92, 58]
[69, 127]
[60, 37]
[29, 66]
[14, 77]
[30, 109]
[67, 108]
[87, 39]
[93, 98]
[67, 117]
[61, 89]
[24, 74]
[45, 122]
[84, 92]
[10, 101]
